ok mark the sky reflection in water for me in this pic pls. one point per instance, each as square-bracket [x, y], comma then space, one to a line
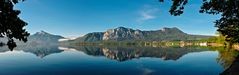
[110, 61]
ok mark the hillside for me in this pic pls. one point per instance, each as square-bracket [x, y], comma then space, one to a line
[44, 38]
[128, 34]
[39, 38]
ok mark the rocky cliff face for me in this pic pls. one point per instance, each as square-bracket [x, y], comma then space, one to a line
[121, 34]
[91, 37]
[127, 34]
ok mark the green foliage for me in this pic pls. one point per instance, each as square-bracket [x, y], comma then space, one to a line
[228, 24]
[221, 40]
[11, 26]
[177, 7]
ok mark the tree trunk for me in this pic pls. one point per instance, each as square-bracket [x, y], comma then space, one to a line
[229, 46]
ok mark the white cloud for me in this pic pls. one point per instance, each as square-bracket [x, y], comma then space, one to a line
[146, 16]
[147, 13]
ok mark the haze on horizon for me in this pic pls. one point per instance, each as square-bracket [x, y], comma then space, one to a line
[79, 17]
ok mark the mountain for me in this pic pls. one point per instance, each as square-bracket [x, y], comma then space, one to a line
[91, 37]
[43, 38]
[128, 34]
[39, 43]
[122, 34]
[39, 38]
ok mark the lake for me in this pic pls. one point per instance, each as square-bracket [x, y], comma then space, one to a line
[90, 60]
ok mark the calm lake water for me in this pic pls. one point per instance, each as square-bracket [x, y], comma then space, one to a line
[113, 61]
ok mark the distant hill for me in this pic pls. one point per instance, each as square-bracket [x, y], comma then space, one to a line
[128, 34]
[41, 44]
[39, 38]
[44, 38]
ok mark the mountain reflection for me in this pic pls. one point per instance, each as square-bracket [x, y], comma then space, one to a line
[228, 59]
[38, 50]
[42, 51]
[114, 53]
[127, 53]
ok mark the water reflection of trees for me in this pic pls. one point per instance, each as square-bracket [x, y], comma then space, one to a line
[229, 59]
[226, 57]
[233, 68]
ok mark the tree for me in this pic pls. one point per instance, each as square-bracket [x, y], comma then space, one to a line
[228, 24]
[11, 26]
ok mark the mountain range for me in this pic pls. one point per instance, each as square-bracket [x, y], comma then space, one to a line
[116, 34]
[128, 34]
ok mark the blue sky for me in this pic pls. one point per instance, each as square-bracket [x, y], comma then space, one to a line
[78, 17]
